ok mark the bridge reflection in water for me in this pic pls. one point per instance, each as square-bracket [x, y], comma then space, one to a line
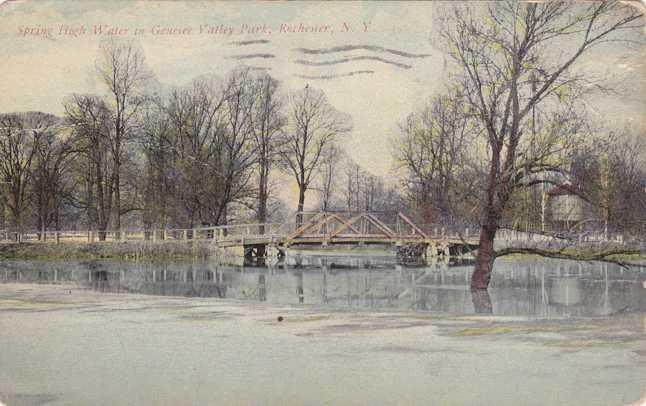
[520, 287]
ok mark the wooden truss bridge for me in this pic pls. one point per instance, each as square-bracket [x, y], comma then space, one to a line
[326, 228]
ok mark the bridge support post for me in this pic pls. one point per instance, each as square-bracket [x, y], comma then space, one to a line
[431, 250]
[261, 251]
[446, 252]
[273, 253]
[411, 252]
[247, 252]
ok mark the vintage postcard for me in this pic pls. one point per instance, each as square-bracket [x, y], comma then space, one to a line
[322, 203]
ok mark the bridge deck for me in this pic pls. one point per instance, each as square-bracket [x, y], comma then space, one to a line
[282, 241]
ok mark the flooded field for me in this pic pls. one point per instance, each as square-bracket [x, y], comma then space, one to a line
[320, 330]
[529, 287]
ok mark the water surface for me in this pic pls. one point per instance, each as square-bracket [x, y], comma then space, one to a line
[529, 287]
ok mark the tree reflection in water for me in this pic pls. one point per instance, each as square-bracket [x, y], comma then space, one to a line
[522, 287]
[481, 301]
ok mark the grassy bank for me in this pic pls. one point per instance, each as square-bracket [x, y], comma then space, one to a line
[190, 250]
[131, 250]
[613, 253]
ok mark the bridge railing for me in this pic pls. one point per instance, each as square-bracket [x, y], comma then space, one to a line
[355, 224]
[452, 231]
[214, 233]
[472, 233]
[248, 231]
[238, 232]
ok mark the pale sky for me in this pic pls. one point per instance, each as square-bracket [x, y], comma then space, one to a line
[38, 70]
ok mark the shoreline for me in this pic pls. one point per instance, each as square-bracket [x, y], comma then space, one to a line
[199, 250]
[128, 251]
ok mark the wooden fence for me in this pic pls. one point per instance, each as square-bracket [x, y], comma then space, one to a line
[217, 233]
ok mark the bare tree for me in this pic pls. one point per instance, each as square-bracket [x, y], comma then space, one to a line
[122, 69]
[365, 192]
[196, 115]
[610, 171]
[624, 184]
[212, 138]
[360, 191]
[436, 149]
[239, 151]
[49, 180]
[20, 135]
[91, 121]
[352, 187]
[508, 67]
[314, 124]
[328, 185]
[158, 175]
[268, 124]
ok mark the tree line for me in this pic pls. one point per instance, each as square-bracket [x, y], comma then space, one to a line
[203, 154]
[513, 122]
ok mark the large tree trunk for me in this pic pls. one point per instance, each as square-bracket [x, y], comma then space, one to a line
[262, 198]
[117, 201]
[486, 255]
[56, 217]
[40, 224]
[481, 301]
[16, 211]
[301, 205]
[491, 215]
[103, 214]
[2, 215]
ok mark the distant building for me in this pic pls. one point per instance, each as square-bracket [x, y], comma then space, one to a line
[566, 208]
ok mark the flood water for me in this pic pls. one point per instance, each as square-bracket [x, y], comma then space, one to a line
[529, 287]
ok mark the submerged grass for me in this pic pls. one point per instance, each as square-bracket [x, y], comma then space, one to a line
[304, 319]
[497, 330]
[26, 305]
[583, 253]
[587, 343]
